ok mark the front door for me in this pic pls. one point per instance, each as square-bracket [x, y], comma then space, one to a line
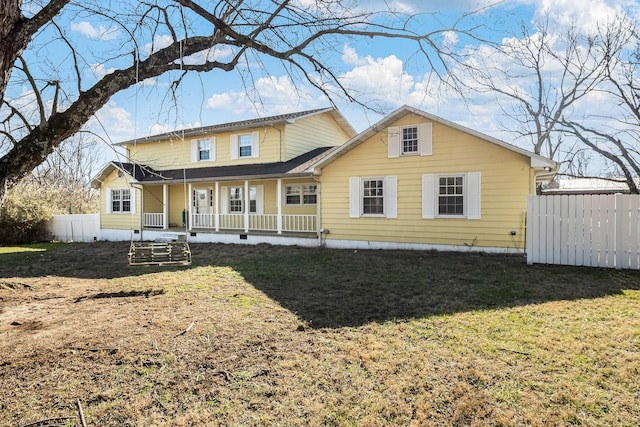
[202, 201]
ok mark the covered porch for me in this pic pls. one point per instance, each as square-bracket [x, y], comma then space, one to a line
[276, 206]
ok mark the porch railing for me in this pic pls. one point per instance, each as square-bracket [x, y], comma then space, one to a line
[153, 220]
[202, 221]
[299, 223]
[257, 222]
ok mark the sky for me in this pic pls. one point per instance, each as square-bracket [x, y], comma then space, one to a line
[382, 73]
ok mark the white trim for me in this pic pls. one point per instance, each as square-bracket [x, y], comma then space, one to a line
[354, 197]
[473, 195]
[372, 244]
[428, 196]
[393, 142]
[234, 147]
[255, 144]
[390, 196]
[107, 195]
[425, 139]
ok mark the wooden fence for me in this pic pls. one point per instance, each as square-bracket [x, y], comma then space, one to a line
[590, 230]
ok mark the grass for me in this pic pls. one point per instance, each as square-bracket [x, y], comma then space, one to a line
[291, 336]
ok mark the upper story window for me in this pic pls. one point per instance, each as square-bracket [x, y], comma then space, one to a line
[301, 194]
[410, 140]
[244, 146]
[203, 150]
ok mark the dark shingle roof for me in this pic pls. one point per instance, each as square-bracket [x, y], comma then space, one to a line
[295, 166]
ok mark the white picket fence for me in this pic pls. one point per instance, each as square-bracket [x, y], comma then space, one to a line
[589, 230]
[75, 228]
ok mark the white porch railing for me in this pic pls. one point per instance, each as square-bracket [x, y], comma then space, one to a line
[257, 222]
[232, 221]
[263, 222]
[153, 220]
[299, 223]
[202, 220]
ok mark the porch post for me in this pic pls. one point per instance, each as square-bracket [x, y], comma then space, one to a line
[247, 204]
[165, 206]
[216, 208]
[279, 205]
[188, 218]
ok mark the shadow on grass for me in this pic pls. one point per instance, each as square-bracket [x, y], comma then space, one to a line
[337, 288]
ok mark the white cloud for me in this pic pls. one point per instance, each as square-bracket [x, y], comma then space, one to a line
[97, 33]
[159, 42]
[585, 15]
[269, 95]
[99, 70]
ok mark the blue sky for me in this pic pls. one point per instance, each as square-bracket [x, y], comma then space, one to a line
[386, 73]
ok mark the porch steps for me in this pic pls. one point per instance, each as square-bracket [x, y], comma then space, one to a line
[160, 253]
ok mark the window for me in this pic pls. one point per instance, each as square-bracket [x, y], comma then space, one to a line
[309, 194]
[245, 145]
[451, 195]
[236, 199]
[410, 140]
[301, 194]
[120, 201]
[292, 194]
[203, 150]
[372, 196]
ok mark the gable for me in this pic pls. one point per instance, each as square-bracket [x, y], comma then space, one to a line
[445, 135]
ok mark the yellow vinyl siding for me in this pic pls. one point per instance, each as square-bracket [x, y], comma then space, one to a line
[311, 132]
[176, 154]
[505, 184]
[121, 221]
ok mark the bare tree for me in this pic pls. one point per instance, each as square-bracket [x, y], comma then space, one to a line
[297, 34]
[616, 134]
[538, 78]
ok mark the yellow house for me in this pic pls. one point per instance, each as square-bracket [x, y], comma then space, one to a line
[417, 181]
[242, 181]
[411, 181]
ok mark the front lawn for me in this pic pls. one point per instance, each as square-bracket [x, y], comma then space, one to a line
[263, 335]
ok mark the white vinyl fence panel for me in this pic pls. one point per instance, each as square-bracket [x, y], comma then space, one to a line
[589, 230]
[75, 228]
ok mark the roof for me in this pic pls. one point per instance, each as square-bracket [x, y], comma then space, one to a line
[298, 166]
[245, 124]
[537, 161]
[588, 186]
